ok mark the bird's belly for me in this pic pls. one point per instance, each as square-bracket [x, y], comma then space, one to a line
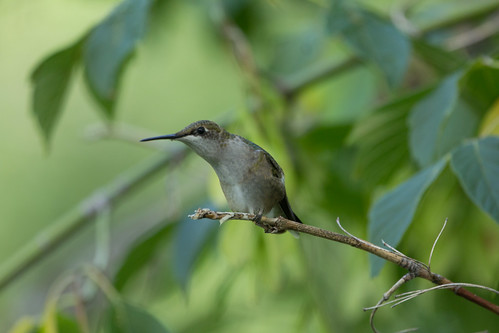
[249, 198]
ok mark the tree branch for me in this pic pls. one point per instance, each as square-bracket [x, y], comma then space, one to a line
[415, 267]
[56, 234]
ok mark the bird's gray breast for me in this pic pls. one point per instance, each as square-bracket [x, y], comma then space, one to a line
[248, 180]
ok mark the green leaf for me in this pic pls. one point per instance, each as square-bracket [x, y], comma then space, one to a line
[67, 324]
[442, 61]
[128, 318]
[54, 321]
[141, 253]
[298, 50]
[190, 239]
[479, 85]
[427, 118]
[108, 47]
[461, 124]
[382, 140]
[337, 17]
[476, 165]
[372, 38]
[24, 325]
[50, 81]
[325, 138]
[391, 215]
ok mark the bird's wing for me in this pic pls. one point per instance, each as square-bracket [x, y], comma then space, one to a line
[288, 212]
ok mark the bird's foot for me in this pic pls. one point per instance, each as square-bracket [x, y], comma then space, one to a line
[269, 229]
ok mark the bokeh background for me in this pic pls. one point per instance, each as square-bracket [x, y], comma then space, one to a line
[277, 73]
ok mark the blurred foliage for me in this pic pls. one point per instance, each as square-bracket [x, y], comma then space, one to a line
[383, 114]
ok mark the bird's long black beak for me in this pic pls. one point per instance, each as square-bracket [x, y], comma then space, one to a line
[163, 137]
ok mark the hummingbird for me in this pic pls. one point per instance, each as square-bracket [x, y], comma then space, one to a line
[251, 179]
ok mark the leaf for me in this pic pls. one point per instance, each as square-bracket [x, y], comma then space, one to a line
[325, 138]
[479, 85]
[24, 325]
[372, 38]
[298, 50]
[54, 321]
[442, 61]
[190, 239]
[461, 124]
[141, 254]
[108, 47]
[67, 324]
[50, 81]
[127, 318]
[337, 17]
[391, 215]
[427, 118]
[476, 165]
[490, 123]
[382, 140]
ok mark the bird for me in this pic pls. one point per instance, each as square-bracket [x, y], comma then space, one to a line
[251, 179]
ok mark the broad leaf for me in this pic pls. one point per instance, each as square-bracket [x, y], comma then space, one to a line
[54, 321]
[372, 38]
[190, 239]
[108, 47]
[479, 85]
[442, 61]
[325, 138]
[50, 81]
[337, 17]
[461, 124]
[392, 214]
[476, 164]
[427, 118]
[298, 50]
[128, 318]
[490, 123]
[141, 253]
[24, 325]
[382, 140]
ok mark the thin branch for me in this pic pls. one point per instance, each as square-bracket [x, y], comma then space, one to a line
[463, 16]
[68, 225]
[386, 296]
[474, 35]
[292, 88]
[447, 286]
[119, 131]
[418, 269]
[393, 249]
[435, 243]
[344, 230]
[404, 297]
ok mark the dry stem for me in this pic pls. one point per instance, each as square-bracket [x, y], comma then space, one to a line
[414, 267]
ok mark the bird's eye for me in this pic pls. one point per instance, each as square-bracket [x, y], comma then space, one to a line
[200, 130]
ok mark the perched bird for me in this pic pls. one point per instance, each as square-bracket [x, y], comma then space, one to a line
[251, 179]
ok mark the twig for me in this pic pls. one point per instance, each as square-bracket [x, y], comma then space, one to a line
[447, 286]
[292, 88]
[416, 268]
[401, 298]
[349, 234]
[386, 296]
[399, 18]
[55, 235]
[119, 131]
[475, 35]
[392, 248]
[435, 243]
